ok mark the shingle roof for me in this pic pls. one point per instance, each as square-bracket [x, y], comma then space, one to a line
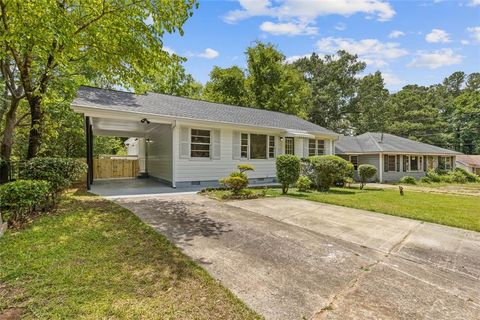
[375, 142]
[179, 107]
[470, 160]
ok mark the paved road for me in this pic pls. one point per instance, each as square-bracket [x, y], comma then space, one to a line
[290, 258]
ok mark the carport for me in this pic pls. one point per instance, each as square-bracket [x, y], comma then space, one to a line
[143, 130]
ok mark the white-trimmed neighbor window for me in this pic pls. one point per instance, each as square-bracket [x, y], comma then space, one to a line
[445, 163]
[199, 143]
[257, 146]
[316, 147]
[415, 163]
[354, 161]
[392, 163]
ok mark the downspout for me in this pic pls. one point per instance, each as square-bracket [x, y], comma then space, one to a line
[380, 164]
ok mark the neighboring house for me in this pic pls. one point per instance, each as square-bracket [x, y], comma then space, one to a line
[193, 142]
[471, 163]
[393, 156]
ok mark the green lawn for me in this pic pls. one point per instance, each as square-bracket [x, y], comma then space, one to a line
[451, 210]
[96, 260]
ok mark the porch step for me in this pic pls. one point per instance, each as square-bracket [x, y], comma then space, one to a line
[142, 175]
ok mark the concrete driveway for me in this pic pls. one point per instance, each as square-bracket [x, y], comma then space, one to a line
[294, 259]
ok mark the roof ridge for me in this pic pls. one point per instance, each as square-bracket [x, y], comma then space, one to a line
[375, 141]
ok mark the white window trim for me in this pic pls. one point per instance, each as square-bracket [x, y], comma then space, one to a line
[449, 158]
[396, 159]
[209, 144]
[285, 144]
[316, 147]
[420, 163]
[267, 147]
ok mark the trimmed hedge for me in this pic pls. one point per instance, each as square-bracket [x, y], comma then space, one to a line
[366, 172]
[323, 171]
[288, 170]
[408, 180]
[19, 199]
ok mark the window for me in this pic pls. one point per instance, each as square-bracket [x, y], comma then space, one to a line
[244, 146]
[258, 146]
[415, 163]
[354, 161]
[271, 146]
[289, 145]
[445, 163]
[320, 147]
[200, 143]
[405, 163]
[316, 147]
[392, 163]
[312, 147]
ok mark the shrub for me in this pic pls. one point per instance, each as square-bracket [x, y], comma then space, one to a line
[288, 170]
[60, 172]
[471, 177]
[303, 183]
[408, 180]
[236, 182]
[457, 177]
[434, 176]
[20, 198]
[366, 172]
[325, 170]
[245, 167]
[425, 180]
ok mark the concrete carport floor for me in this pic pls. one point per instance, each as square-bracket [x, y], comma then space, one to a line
[289, 258]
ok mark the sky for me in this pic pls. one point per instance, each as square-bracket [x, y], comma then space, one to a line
[410, 42]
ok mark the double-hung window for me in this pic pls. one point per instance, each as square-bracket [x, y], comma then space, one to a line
[257, 146]
[445, 163]
[316, 147]
[392, 163]
[415, 163]
[289, 145]
[200, 143]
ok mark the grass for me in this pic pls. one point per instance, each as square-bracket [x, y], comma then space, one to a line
[447, 209]
[93, 259]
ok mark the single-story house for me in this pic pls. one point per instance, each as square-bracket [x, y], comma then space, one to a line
[194, 142]
[470, 162]
[393, 156]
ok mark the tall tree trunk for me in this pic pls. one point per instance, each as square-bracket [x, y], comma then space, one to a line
[34, 140]
[7, 140]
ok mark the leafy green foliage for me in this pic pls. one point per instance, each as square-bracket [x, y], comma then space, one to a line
[325, 170]
[366, 172]
[288, 170]
[333, 82]
[236, 182]
[273, 84]
[19, 199]
[408, 180]
[303, 183]
[245, 167]
[59, 172]
[469, 176]
[227, 85]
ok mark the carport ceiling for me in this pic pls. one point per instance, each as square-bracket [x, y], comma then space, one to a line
[121, 128]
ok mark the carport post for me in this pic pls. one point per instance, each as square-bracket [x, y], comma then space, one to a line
[89, 151]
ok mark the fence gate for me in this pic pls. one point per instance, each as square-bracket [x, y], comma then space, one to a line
[110, 167]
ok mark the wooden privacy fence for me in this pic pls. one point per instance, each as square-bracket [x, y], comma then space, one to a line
[110, 167]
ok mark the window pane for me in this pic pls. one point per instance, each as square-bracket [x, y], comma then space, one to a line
[413, 163]
[244, 146]
[200, 143]
[391, 163]
[271, 147]
[289, 146]
[312, 147]
[258, 146]
[321, 146]
[405, 163]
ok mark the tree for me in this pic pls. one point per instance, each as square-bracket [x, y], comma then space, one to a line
[273, 84]
[466, 119]
[366, 172]
[473, 82]
[333, 81]
[227, 85]
[174, 80]
[370, 112]
[53, 41]
[416, 115]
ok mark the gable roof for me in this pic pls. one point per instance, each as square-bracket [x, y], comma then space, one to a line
[186, 108]
[375, 142]
[470, 160]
